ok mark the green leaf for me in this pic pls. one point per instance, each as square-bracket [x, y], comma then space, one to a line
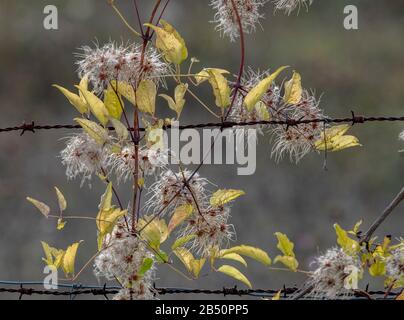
[146, 266]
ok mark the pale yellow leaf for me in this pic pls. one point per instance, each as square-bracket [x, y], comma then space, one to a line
[234, 273]
[221, 88]
[154, 232]
[69, 258]
[260, 89]
[277, 296]
[349, 245]
[182, 241]
[335, 140]
[113, 104]
[293, 89]
[42, 207]
[125, 89]
[170, 42]
[180, 214]
[94, 130]
[197, 265]
[61, 224]
[120, 129]
[146, 96]
[97, 107]
[204, 75]
[61, 199]
[234, 257]
[262, 111]
[284, 244]
[185, 257]
[223, 196]
[288, 261]
[74, 99]
[252, 252]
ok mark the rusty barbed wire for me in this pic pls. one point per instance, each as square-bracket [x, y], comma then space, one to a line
[353, 119]
[78, 289]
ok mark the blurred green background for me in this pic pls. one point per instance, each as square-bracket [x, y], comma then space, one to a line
[355, 70]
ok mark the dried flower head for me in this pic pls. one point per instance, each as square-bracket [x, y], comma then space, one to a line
[170, 185]
[336, 271]
[149, 160]
[226, 16]
[401, 136]
[288, 6]
[297, 140]
[211, 228]
[83, 156]
[395, 265]
[121, 259]
[122, 63]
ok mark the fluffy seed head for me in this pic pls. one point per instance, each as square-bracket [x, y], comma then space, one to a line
[211, 228]
[119, 62]
[226, 16]
[334, 269]
[83, 156]
[395, 265]
[288, 6]
[169, 184]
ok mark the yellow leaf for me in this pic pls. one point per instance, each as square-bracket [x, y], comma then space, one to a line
[203, 75]
[288, 261]
[69, 258]
[61, 224]
[378, 268]
[42, 207]
[355, 230]
[284, 244]
[178, 104]
[61, 199]
[220, 87]
[234, 257]
[277, 296]
[97, 107]
[293, 89]
[349, 245]
[146, 96]
[335, 140]
[54, 257]
[113, 103]
[180, 214]
[120, 129]
[95, 131]
[197, 265]
[223, 196]
[170, 42]
[155, 232]
[252, 252]
[260, 89]
[74, 99]
[234, 273]
[106, 220]
[182, 241]
[125, 89]
[262, 111]
[185, 257]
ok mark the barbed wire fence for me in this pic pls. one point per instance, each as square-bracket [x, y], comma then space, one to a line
[73, 290]
[22, 288]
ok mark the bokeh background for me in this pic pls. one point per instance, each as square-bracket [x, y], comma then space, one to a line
[355, 70]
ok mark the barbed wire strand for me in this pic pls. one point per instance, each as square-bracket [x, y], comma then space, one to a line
[80, 289]
[354, 119]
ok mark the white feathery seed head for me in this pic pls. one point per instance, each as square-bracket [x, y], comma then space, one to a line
[169, 184]
[297, 141]
[121, 258]
[149, 160]
[211, 228]
[83, 156]
[288, 6]
[395, 265]
[119, 62]
[334, 275]
[225, 18]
